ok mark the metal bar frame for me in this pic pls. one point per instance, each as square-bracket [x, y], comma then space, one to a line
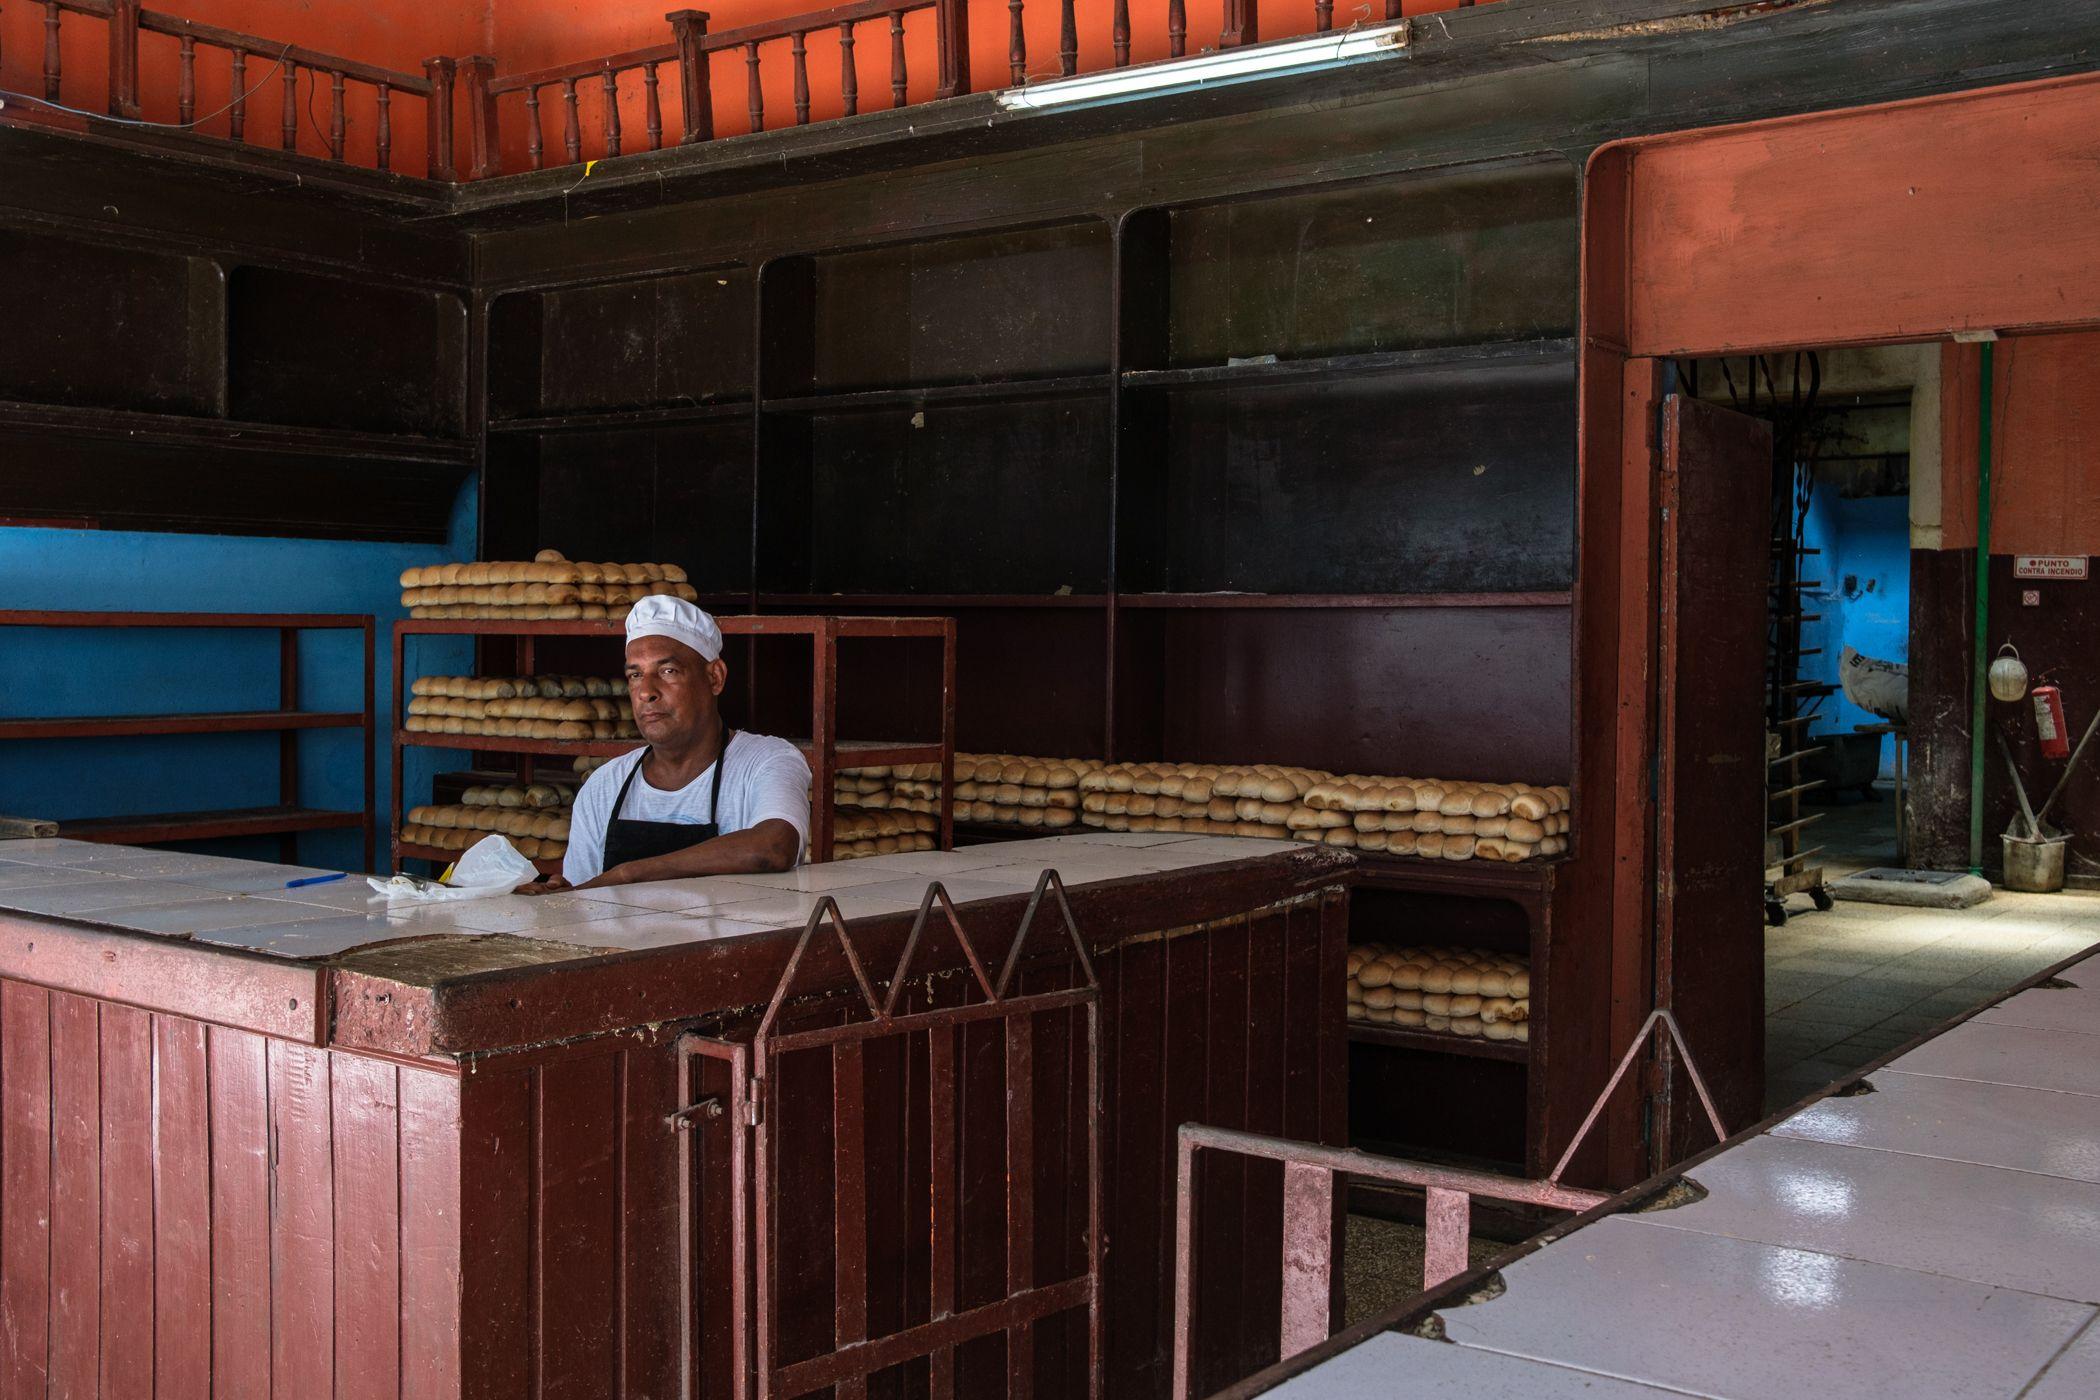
[856, 1356]
[1309, 1173]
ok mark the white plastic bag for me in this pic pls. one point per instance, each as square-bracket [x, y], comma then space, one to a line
[492, 866]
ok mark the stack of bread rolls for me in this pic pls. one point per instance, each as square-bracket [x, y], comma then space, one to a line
[1467, 992]
[522, 707]
[535, 816]
[1435, 818]
[990, 789]
[1204, 798]
[857, 832]
[544, 588]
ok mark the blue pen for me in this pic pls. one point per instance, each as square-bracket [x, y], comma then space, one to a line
[317, 880]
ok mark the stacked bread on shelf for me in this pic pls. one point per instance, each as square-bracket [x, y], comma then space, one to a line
[1432, 818]
[546, 588]
[1406, 816]
[857, 832]
[1467, 992]
[521, 707]
[535, 816]
[991, 789]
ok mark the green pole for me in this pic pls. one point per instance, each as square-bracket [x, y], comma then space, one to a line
[1978, 683]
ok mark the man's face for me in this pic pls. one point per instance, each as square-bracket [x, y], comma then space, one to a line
[671, 689]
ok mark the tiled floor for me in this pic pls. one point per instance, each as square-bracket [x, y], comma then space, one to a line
[1938, 1236]
[1844, 987]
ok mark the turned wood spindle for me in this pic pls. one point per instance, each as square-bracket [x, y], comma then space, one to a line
[1177, 28]
[186, 83]
[1016, 43]
[335, 116]
[1119, 33]
[612, 112]
[533, 144]
[897, 76]
[51, 60]
[288, 119]
[754, 95]
[801, 53]
[571, 127]
[849, 79]
[652, 108]
[237, 114]
[385, 140]
[1068, 39]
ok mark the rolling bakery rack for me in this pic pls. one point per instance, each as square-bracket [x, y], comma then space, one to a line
[284, 819]
[823, 747]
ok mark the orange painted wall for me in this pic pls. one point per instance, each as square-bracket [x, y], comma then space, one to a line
[2045, 444]
[389, 33]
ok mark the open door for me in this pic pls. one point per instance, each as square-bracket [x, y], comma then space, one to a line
[1713, 554]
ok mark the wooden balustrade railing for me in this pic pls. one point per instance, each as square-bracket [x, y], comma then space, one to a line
[255, 64]
[687, 57]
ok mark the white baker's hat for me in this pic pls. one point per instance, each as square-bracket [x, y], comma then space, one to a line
[661, 615]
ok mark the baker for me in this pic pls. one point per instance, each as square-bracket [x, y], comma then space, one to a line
[700, 798]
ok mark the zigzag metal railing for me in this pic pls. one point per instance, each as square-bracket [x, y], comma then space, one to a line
[755, 1073]
[1309, 1173]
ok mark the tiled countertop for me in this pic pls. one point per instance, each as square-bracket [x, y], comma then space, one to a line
[1938, 1236]
[245, 905]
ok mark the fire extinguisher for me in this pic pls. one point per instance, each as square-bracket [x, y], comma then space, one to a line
[2049, 721]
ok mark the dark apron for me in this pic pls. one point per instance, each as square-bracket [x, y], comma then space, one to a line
[637, 840]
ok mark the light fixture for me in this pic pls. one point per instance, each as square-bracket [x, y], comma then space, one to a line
[1214, 69]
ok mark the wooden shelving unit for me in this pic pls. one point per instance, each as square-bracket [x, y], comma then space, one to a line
[286, 818]
[823, 747]
[1286, 477]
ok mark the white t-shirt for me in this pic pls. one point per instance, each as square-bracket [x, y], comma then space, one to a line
[763, 779]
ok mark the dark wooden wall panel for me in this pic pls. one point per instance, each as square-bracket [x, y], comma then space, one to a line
[168, 309]
[1422, 691]
[292, 335]
[1402, 483]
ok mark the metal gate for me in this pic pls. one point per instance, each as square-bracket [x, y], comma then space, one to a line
[757, 1152]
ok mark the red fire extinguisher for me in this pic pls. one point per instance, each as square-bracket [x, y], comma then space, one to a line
[2049, 721]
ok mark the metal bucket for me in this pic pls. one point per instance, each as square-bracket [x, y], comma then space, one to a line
[2035, 867]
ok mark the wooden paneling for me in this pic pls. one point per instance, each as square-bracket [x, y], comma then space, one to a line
[1715, 560]
[182, 1208]
[1476, 691]
[25, 1188]
[189, 1210]
[1923, 223]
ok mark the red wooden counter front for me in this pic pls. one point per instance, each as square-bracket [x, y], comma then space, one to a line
[457, 1166]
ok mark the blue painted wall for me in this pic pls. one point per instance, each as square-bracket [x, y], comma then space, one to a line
[1865, 597]
[46, 672]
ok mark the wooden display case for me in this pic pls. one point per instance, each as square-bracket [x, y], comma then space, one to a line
[826, 751]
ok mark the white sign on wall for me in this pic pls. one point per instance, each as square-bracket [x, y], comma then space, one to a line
[2049, 565]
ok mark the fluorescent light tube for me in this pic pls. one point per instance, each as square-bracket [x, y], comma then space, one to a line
[1211, 69]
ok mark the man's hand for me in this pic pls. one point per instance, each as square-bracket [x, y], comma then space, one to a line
[552, 884]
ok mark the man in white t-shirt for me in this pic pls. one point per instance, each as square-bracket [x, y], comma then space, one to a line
[700, 799]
